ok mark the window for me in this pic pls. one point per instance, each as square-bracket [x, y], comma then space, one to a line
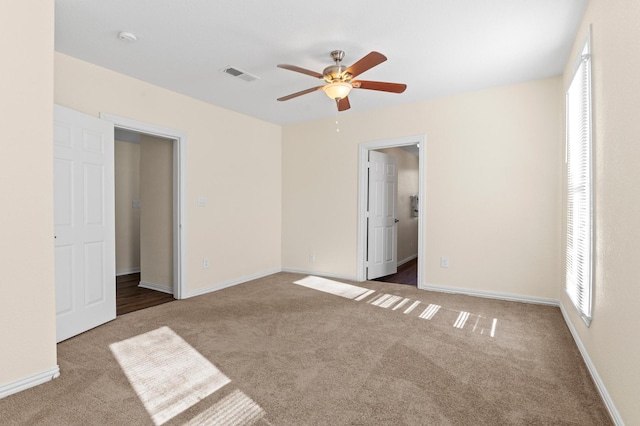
[579, 187]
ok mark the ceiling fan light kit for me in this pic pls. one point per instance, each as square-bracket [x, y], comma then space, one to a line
[338, 90]
[340, 79]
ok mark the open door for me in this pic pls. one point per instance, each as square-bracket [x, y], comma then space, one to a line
[382, 231]
[84, 222]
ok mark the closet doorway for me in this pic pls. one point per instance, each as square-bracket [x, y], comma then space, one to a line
[178, 187]
[144, 220]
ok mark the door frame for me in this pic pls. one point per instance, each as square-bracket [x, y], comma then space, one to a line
[179, 192]
[363, 188]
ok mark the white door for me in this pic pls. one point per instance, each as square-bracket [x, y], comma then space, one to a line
[84, 222]
[382, 242]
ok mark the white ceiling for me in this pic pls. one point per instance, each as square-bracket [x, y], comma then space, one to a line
[436, 47]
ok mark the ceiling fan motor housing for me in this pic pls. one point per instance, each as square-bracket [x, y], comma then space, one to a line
[336, 73]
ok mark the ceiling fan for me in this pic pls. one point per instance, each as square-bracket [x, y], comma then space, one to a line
[340, 79]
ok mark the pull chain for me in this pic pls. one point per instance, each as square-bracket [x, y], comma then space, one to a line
[337, 124]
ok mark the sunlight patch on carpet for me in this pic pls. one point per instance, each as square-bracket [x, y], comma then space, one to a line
[333, 287]
[481, 325]
[386, 301]
[412, 307]
[364, 295]
[401, 304]
[430, 311]
[235, 409]
[462, 319]
[168, 374]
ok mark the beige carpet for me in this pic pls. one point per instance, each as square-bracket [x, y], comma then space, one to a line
[273, 352]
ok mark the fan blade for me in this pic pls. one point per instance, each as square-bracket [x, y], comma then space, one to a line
[366, 63]
[300, 70]
[343, 104]
[379, 85]
[303, 92]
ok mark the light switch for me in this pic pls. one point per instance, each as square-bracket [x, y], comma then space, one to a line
[136, 204]
[202, 201]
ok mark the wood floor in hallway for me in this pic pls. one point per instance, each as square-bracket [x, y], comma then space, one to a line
[130, 297]
[407, 274]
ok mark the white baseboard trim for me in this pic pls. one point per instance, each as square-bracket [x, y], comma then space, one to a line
[156, 287]
[408, 259]
[492, 295]
[127, 271]
[613, 412]
[29, 382]
[320, 274]
[230, 283]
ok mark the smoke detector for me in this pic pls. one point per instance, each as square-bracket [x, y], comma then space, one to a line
[127, 36]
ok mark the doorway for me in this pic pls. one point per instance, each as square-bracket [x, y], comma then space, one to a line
[406, 216]
[177, 147]
[143, 220]
[408, 263]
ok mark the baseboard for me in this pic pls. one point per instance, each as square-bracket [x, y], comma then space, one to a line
[156, 287]
[127, 271]
[613, 412]
[320, 274]
[493, 295]
[408, 259]
[29, 382]
[231, 283]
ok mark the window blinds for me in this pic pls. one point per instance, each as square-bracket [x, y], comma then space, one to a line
[579, 188]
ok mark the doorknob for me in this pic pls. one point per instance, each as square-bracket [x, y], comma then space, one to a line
[396, 220]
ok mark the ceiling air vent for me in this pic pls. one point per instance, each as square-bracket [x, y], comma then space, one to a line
[243, 75]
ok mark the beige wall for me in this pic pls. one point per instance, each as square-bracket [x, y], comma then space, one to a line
[27, 305]
[232, 160]
[493, 184]
[156, 215]
[613, 339]
[408, 185]
[127, 189]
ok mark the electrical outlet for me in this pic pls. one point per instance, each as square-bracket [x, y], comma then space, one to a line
[205, 263]
[444, 262]
[312, 257]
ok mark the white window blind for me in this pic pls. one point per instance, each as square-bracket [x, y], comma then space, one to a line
[579, 187]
